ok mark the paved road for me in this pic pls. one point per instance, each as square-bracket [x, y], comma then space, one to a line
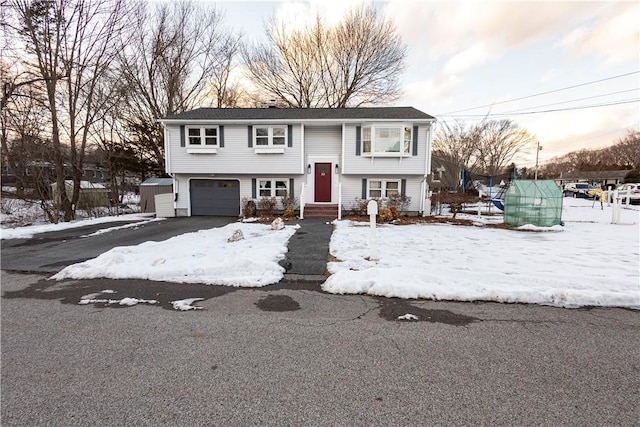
[291, 355]
[50, 252]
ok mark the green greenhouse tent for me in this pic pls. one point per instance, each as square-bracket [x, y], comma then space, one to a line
[533, 202]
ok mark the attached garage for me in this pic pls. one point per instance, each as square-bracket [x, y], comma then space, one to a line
[215, 197]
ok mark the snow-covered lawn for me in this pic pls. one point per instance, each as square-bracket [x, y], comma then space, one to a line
[201, 257]
[589, 262]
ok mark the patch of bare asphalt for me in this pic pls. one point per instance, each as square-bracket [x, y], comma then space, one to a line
[395, 309]
[71, 292]
[163, 292]
[278, 303]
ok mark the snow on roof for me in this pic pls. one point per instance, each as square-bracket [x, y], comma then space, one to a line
[83, 184]
[158, 181]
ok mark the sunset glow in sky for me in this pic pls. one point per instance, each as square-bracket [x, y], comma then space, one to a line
[468, 59]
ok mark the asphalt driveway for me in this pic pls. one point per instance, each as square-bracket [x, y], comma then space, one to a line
[51, 252]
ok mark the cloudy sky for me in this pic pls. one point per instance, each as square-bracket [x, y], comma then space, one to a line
[567, 71]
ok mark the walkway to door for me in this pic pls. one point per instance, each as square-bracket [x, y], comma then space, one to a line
[308, 251]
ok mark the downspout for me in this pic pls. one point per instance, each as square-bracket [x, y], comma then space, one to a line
[426, 200]
[167, 168]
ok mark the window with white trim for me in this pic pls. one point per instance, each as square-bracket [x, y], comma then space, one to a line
[273, 187]
[270, 136]
[205, 136]
[385, 140]
[378, 188]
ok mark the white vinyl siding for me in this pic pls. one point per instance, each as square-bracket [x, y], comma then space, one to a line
[236, 157]
[323, 141]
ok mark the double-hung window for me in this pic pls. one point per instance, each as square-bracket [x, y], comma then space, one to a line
[378, 188]
[273, 187]
[203, 139]
[270, 136]
[202, 136]
[386, 140]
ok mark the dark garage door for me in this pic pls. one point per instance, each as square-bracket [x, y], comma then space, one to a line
[215, 197]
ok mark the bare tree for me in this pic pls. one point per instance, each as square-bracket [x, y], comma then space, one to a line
[69, 46]
[178, 56]
[456, 144]
[627, 149]
[364, 61]
[287, 67]
[622, 155]
[501, 141]
[20, 120]
[357, 62]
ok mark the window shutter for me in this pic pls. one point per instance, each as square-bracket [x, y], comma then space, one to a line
[221, 136]
[358, 142]
[251, 139]
[364, 188]
[403, 187]
[254, 192]
[415, 141]
[291, 189]
[290, 136]
[182, 136]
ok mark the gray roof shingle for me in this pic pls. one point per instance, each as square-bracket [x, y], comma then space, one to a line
[375, 113]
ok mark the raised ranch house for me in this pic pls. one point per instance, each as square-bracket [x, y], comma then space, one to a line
[325, 158]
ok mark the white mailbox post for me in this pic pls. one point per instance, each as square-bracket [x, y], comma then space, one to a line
[372, 211]
[616, 208]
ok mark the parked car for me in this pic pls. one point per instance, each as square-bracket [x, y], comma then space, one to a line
[629, 189]
[578, 189]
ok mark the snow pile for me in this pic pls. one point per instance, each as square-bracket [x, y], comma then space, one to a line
[94, 298]
[122, 227]
[30, 231]
[200, 257]
[186, 304]
[408, 316]
[592, 262]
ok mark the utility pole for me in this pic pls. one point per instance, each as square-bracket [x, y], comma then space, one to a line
[538, 148]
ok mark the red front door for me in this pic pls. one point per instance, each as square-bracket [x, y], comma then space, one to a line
[322, 182]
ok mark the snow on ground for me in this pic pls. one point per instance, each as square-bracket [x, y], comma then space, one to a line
[201, 257]
[122, 227]
[128, 301]
[589, 262]
[186, 304]
[30, 231]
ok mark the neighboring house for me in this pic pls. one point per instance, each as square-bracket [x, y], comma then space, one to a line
[444, 175]
[220, 157]
[91, 195]
[601, 178]
[94, 173]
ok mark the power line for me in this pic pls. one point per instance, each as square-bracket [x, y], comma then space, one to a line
[544, 93]
[583, 107]
[574, 100]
